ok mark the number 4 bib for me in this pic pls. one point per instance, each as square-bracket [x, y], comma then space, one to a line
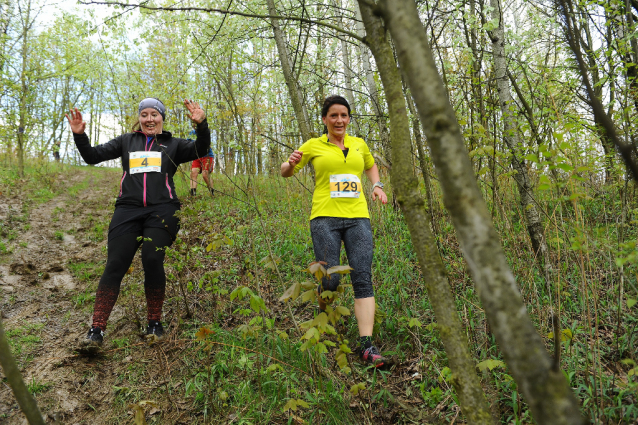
[344, 186]
[145, 162]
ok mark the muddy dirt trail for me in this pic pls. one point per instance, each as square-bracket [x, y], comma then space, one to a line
[47, 280]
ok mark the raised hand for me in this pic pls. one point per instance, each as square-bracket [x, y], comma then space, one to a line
[75, 121]
[196, 113]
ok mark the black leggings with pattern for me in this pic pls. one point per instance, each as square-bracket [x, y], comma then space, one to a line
[356, 234]
[121, 251]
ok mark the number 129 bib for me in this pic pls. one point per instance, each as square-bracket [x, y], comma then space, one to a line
[344, 186]
[145, 162]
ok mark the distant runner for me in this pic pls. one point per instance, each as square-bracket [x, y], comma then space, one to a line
[145, 207]
[340, 212]
[55, 148]
[205, 167]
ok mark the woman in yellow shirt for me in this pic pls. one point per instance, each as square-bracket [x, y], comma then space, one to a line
[340, 211]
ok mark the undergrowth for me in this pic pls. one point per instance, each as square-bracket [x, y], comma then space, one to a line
[237, 352]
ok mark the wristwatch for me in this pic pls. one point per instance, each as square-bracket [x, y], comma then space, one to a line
[377, 184]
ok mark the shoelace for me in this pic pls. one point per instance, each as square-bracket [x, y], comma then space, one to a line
[371, 352]
[155, 327]
[96, 331]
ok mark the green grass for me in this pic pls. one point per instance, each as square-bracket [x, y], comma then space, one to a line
[98, 232]
[83, 299]
[86, 271]
[24, 341]
[36, 387]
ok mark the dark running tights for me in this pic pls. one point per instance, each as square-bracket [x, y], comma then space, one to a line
[356, 234]
[121, 251]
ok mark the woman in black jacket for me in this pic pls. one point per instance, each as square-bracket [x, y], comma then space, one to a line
[146, 204]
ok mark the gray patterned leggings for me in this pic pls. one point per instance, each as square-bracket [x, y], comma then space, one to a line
[356, 234]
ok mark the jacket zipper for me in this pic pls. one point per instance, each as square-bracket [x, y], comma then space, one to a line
[122, 181]
[170, 193]
[147, 149]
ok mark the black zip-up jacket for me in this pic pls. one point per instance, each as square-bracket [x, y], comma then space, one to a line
[146, 189]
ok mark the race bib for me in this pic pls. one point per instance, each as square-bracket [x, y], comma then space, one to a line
[344, 186]
[145, 162]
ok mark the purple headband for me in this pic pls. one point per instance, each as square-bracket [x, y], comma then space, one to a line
[151, 102]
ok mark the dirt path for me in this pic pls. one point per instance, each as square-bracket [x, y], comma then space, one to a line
[42, 301]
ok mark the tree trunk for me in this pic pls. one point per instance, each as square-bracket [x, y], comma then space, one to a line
[348, 78]
[535, 227]
[291, 82]
[25, 400]
[466, 383]
[24, 95]
[423, 163]
[374, 96]
[540, 380]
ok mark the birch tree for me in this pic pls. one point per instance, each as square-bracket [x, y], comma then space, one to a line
[293, 88]
[511, 137]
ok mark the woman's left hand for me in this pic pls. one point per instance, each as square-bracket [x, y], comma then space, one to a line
[196, 113]
[378, 193]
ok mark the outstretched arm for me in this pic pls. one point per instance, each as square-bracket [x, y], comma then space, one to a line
[90, 154]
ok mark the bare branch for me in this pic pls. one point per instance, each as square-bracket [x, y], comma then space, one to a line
[228, 12]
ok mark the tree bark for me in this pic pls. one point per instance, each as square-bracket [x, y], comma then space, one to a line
[24, 94]
[372, 89]
[291, 82]
[423, 163]
[542, 383]
[348, 78]
[535, 227]
[25, 400]
[466, 383]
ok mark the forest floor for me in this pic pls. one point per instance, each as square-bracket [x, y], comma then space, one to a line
[51, 263]
[59, 234]
[233, 353]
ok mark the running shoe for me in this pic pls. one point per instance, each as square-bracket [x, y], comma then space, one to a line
[91, 344]
[95, 336]
[372, 357]
[155, 328]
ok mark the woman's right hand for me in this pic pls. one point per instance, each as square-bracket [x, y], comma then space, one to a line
[75, 121]
[295, 157]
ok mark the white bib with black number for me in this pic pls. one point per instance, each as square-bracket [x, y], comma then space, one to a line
[344, 186]
[145, 162]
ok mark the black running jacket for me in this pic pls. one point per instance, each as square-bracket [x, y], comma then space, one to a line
[150, 188]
